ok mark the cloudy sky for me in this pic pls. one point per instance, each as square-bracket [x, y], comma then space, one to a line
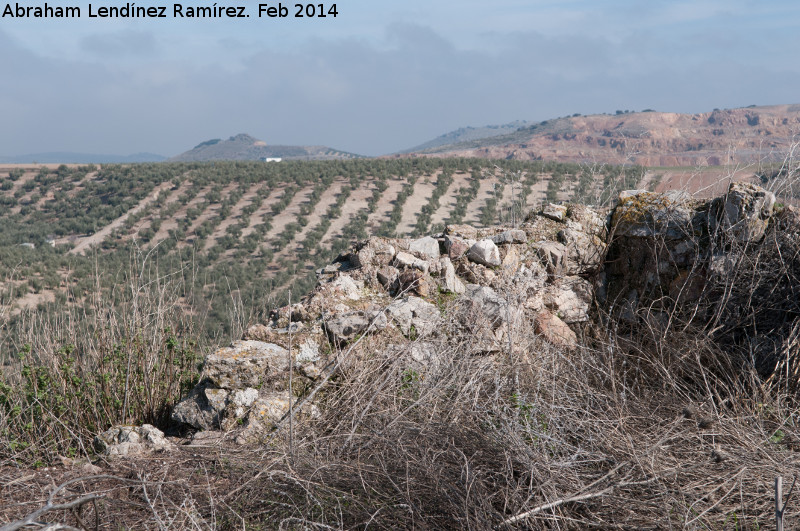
[382, 75]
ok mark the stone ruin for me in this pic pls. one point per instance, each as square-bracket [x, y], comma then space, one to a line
[651, 254]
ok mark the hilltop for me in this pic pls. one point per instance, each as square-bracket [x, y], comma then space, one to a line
[466, 134]
[246, 147]
[719, 137]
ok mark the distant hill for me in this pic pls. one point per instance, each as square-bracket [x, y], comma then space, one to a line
[719, 137]
[59, 157]
[466, 134]
[246, 147]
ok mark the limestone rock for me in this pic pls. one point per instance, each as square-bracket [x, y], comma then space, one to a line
[642, 214]
[372, 252]
[569, 299]
[554, 330]
[405, 260]
[583, 253]
[427, 247]
[412, 281]
[450, 281]
[347, 287]
[262, 417]
[456, 247]
[245, 364]
[555, 212]
[485, 252]
[743, 212]
[197, 411]
[510, 236]
[129, 441]
[309, 352]
[413, 312]
[345, 327]
[387, 275]
[553, 255]
[488, 304]
[462, 231]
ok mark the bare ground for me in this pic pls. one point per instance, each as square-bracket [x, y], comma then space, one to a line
[448, 200]
[236, 213]
[354, 203]
[423, 189]
[83, 244]
[171, 223]
[385, 203]
[327, 198]
[288, 215]
[484, 194]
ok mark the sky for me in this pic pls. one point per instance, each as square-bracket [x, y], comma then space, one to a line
[382, 75]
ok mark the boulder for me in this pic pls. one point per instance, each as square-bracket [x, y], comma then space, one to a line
[426, 247]
[554, 330]
[486, 302]
[129, 441]
[555, 212]
[510, 236]
[345, 286]
[450, 283]
[485, 252]
[553, 256]
[582, 253]
[456, 247]
[405, 260]
[642, 214]
[569, 299]
[245, 364]
[372, 252]
[386, 275]
[207, 408]
[412, 313]
[743, 212]
[412, 281]
[202, 409]
[345, 327]
[462, 231]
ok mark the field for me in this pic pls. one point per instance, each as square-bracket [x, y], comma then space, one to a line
[242, 235]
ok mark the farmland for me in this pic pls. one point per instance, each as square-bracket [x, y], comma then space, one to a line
[242, 235]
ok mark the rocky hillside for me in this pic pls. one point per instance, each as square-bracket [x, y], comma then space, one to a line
[246, 147]
[720, 137]
[467, 134]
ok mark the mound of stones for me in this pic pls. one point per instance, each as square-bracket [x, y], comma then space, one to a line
[546, 274]
[540, 273]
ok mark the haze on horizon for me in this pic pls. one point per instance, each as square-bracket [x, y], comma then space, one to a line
[382, 76]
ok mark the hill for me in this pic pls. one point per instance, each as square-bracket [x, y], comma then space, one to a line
[720, 137]
[466, 134]
[246, 147]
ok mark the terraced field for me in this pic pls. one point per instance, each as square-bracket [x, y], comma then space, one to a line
[242, 233]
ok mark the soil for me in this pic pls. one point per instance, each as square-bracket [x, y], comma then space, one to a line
[83, 244]
[423, 189]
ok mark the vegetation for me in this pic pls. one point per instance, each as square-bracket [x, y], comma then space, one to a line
[236, 223]
[647, 424]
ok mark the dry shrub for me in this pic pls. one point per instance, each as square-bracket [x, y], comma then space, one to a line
[630, 431]
[74, 373]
